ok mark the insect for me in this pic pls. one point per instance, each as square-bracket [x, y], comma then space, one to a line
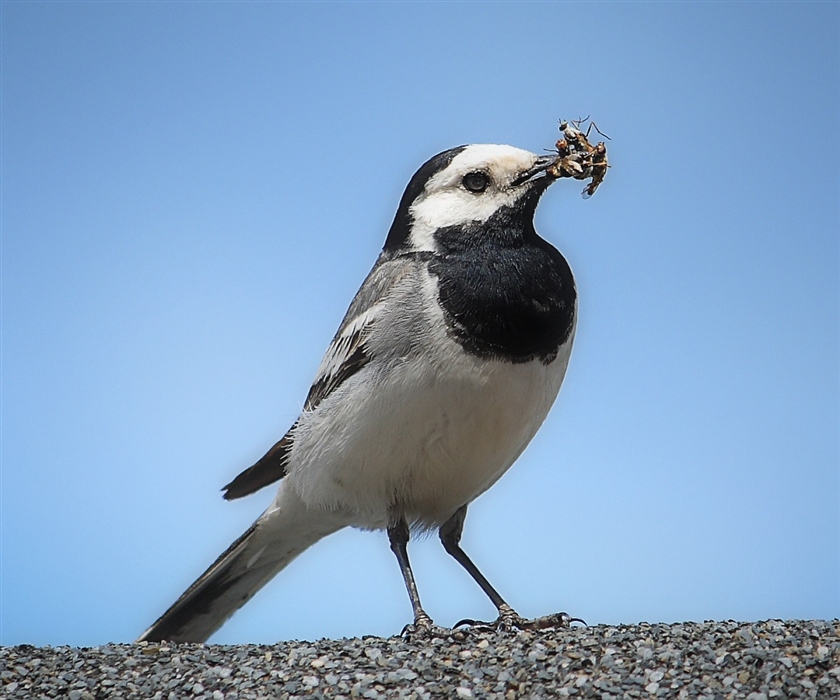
[599, 169]
[578, 158]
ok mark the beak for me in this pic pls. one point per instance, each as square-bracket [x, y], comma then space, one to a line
[539, 171]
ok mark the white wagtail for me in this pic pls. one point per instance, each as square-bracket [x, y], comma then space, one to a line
[443, 369]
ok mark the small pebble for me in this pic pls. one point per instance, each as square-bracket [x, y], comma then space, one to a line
[743, 661]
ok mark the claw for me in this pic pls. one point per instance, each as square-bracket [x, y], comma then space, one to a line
[424, 628]
[510, 620]
[477, 625]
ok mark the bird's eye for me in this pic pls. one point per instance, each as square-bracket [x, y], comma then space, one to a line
[476, 182]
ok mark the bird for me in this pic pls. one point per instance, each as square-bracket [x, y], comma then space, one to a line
[444, 367]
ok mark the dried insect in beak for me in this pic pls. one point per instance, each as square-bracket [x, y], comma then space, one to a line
[578, 158]
[599, 169]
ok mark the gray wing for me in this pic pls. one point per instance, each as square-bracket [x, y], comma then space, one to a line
[349, 352]
[346, 355]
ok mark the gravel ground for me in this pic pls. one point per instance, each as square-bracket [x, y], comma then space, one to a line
[712, 660]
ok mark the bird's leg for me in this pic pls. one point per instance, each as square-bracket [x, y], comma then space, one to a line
[450, 537]
[398, 534]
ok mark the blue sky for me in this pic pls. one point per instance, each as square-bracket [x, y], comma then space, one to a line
[192, 193]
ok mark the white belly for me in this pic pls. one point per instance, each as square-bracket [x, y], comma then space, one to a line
[423, 440]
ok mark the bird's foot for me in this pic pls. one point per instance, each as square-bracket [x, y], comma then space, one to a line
[510, 620]
[424, 628]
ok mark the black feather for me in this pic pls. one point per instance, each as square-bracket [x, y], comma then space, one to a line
[198, 598]
[270, 468]
[506, 293]
[326, 384]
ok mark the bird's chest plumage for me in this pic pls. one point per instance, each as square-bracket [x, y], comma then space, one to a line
[515, 303]
[441, 416]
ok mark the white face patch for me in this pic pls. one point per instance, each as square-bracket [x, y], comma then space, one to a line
[446, 202]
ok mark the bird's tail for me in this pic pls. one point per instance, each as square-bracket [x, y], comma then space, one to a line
[278, 536]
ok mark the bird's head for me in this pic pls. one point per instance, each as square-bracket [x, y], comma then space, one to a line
[466, 187]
